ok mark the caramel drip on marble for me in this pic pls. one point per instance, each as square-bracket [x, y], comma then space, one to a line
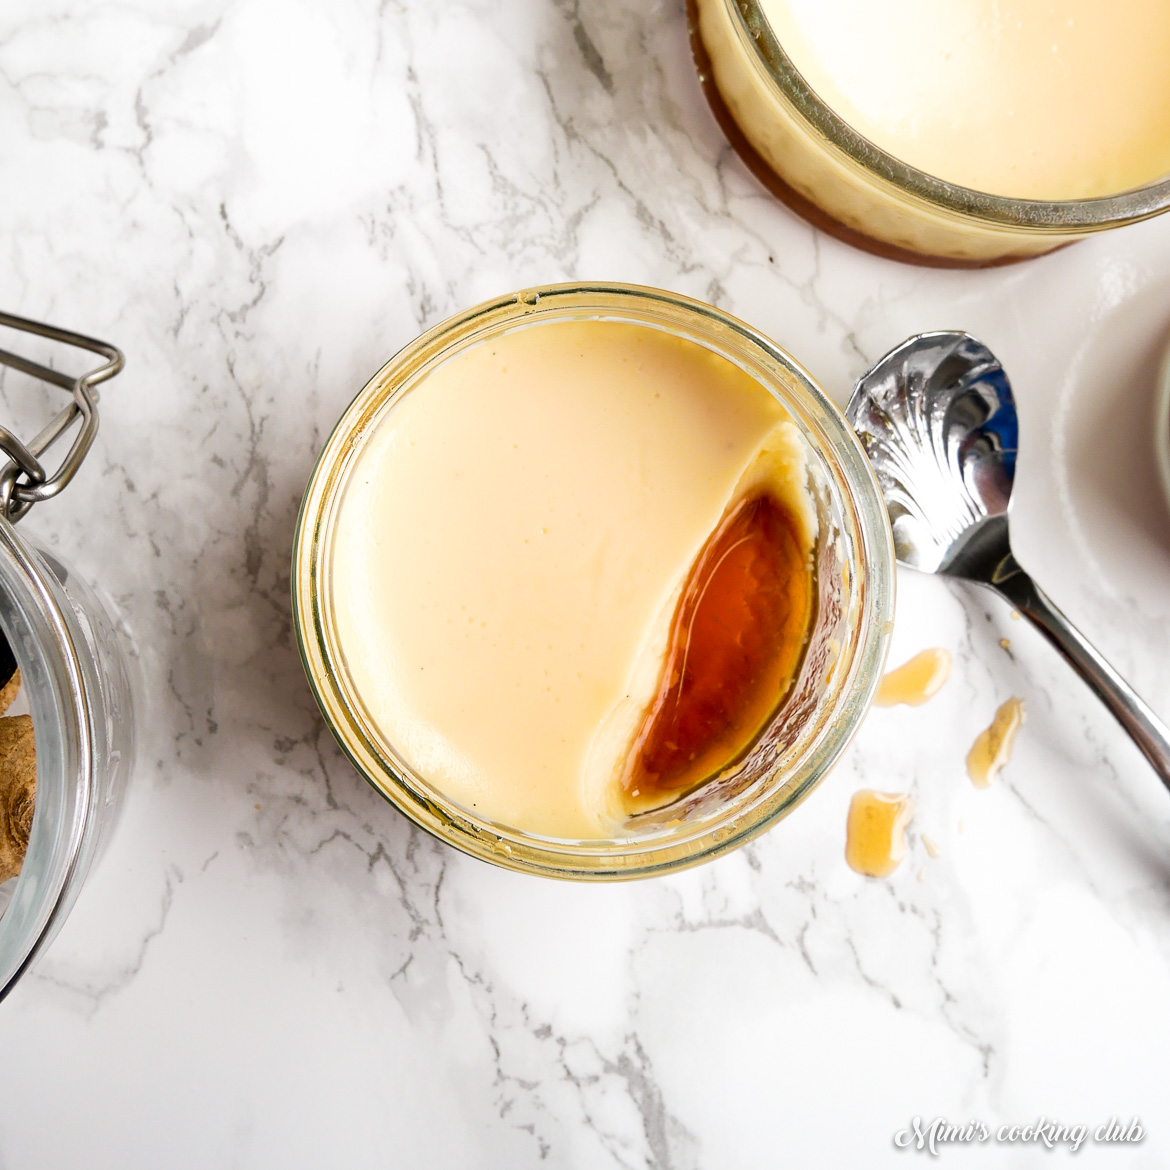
[993, 748]
[915, 681]
[875, 832]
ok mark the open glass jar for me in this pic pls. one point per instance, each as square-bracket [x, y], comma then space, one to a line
[841, 667]
[809, 156]
[74, 677]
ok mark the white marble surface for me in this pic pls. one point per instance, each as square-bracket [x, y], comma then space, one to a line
[259, 202]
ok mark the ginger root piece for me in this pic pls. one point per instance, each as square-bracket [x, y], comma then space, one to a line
[18, 790]
[9, 691]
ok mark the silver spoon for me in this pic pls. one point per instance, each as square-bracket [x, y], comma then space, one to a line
[937, 418]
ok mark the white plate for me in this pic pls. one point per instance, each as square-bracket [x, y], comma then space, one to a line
[1162, 424]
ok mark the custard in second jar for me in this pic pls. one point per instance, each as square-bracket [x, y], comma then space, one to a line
[546, 548]
[1024, 98]
[982, 113]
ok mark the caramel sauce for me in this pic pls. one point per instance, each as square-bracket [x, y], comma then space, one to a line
[875, 832]
[915, 681]
[736, 642]
[992, 748]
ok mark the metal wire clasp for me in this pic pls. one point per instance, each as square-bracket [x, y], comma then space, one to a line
[23, 479]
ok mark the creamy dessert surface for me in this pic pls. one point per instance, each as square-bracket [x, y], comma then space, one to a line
[511, 543]
[1024, 98]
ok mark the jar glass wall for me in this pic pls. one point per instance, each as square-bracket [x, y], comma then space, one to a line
[74, 671]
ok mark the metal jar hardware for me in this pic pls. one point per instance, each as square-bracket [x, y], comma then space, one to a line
[23, 480]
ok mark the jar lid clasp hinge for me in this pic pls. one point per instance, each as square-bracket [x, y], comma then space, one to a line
[23, 479]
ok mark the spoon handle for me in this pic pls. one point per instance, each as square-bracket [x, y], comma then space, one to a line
[1146, 730]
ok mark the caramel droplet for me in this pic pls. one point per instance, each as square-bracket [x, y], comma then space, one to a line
[993, 747]
[875, 833]
[915, 681]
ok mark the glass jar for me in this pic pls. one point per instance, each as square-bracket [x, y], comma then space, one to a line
[74, 670]
[842, 666]
[815, 161]
[74, 674]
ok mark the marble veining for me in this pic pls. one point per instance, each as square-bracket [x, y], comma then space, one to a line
[260, 202]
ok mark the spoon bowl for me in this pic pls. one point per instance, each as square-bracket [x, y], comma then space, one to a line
[937, 418]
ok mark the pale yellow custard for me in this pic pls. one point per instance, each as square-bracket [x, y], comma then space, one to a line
[1025, 98]
[511, 545]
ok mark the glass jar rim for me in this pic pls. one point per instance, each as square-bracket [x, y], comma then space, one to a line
[1058, 216]
[617, 858]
